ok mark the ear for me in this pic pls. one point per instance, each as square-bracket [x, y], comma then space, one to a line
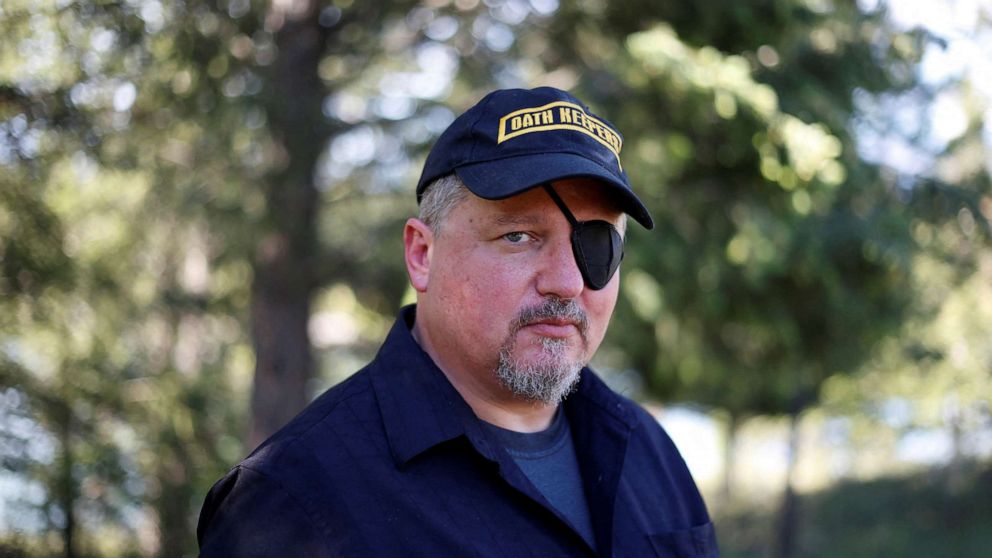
[418, 244]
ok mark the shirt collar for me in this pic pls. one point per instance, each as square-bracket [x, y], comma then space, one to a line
[419, 406]
[594, 400]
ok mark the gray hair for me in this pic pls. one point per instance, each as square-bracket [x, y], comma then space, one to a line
[440, 197]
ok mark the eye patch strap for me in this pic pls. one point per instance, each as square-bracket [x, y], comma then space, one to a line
[561, 205]
[580, 257]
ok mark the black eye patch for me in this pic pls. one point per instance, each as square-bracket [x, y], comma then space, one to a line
[596, 245]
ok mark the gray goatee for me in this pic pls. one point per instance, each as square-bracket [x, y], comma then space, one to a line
[552, 376]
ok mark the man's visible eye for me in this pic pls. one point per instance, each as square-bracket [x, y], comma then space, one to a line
[517, 237]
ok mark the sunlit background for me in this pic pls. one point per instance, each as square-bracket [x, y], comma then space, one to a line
[201, 205]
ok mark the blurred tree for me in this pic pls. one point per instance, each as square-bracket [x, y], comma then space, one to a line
[931, 380]
[118, 367]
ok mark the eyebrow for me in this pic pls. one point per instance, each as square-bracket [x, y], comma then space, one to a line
[515, 219]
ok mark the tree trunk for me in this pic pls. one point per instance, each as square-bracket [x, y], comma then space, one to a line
[66, 496]
[956, 478]
[788, 525]
[172, 502]
[729, 457]
[285, 257]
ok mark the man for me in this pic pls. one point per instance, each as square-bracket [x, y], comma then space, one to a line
[478, 430]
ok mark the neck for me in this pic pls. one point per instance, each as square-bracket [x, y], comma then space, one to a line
[489, 401]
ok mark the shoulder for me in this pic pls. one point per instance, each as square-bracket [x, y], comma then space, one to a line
[249, 514]
[337, 410]
[652, 434]
[280, 492]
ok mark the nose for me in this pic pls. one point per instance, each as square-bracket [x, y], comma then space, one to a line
[560, 275]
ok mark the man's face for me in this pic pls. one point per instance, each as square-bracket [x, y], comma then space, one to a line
[505, 302]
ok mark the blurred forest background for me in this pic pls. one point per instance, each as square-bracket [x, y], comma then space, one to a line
[201, 206]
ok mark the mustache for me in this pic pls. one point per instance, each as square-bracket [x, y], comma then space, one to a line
[553, 308]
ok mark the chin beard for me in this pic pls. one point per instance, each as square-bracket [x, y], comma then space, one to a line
[547, 380]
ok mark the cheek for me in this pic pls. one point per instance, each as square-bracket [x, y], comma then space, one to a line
[479, 291]
[600, 306]
[479, 273]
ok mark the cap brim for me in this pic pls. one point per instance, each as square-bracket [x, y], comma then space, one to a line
[502, 178]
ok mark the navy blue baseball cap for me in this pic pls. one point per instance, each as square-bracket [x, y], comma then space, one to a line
[515, 139]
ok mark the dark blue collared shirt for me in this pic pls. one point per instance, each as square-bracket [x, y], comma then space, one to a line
[393, 462]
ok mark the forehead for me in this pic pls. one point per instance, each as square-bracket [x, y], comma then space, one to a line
[587, 199]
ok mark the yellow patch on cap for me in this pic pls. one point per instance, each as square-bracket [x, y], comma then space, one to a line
[560, 115]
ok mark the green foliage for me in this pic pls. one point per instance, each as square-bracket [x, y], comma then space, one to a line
[118, 334]
[770, 261]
